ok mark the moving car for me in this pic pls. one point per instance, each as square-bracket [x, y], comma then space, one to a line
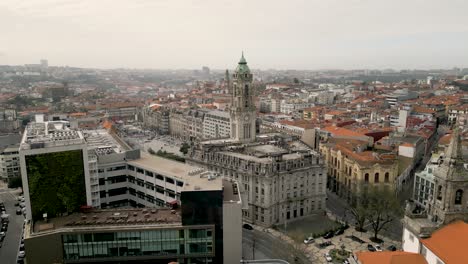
[309, 240]
[328, 258]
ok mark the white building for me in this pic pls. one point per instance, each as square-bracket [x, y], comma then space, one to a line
[216, 124]
[291, 107]
[42, 151]
[9, 162]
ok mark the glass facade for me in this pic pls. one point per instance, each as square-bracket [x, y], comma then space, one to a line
[170, 242]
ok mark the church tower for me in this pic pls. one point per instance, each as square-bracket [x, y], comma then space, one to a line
[450, 199]
[243, 112]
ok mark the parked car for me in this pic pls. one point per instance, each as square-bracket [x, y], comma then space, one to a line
[339, 232]
[18, 211]
[22, 254]
[378, 248]
[328, 235]
[328, 258]
[247, 226]
[309, 240]
[371, 248]
[391, 248]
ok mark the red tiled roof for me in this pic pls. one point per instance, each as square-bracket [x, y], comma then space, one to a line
[390, 257]
[449, 243]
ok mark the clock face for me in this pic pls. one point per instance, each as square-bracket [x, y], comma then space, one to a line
[246, 117]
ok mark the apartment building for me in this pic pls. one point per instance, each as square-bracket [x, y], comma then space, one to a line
[216, 124]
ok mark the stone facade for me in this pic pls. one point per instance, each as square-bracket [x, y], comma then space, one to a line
[280, 177]
[350, 171]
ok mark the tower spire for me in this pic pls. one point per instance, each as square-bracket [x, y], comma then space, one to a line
[454, 151]
[242, 59]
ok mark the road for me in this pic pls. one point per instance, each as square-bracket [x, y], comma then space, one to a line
[10, 246]
[270, 247]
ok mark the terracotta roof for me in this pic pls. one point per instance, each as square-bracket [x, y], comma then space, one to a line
[107, 124]
[335, 112]
[407, 144]
[419, 109]
[449, 243]
[339, 131]
[390, 257]
[445, 140]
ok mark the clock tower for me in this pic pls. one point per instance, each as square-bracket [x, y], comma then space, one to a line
[243, 112]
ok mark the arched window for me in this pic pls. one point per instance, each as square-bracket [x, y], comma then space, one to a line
[458, 196]
[376, 177]
[366, 177]
[387, 177]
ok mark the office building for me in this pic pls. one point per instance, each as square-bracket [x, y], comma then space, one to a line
[94, 175]
[206, 229]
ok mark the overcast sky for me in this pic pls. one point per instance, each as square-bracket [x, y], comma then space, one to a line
[286, 34]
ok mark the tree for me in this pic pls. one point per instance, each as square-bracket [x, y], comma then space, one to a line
[151, 151]
[15, 182]
[360, 210]
[184, 148]
[383, 209]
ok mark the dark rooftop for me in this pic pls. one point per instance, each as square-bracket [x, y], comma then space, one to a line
[111, 218]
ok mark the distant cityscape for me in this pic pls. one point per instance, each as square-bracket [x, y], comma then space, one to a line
[236, 165]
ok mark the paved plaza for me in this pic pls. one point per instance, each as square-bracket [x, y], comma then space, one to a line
[316, 254]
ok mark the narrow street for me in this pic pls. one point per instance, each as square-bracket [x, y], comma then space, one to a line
[270, 247]
[10, 246]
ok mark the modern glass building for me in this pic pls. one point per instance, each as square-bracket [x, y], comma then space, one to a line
[194, 245]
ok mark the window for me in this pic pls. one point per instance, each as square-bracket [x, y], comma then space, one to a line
[366, 178]
[149, 173]
[458, 196]
[180, 184]
[439, 193]
[117, 191]
[159, 177]
[376, 177]
[387, 177]
[139, 170]
[169, 180]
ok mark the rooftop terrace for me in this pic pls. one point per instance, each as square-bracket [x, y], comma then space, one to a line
[112, 218]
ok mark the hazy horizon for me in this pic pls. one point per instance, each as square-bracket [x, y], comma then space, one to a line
[296, 34]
